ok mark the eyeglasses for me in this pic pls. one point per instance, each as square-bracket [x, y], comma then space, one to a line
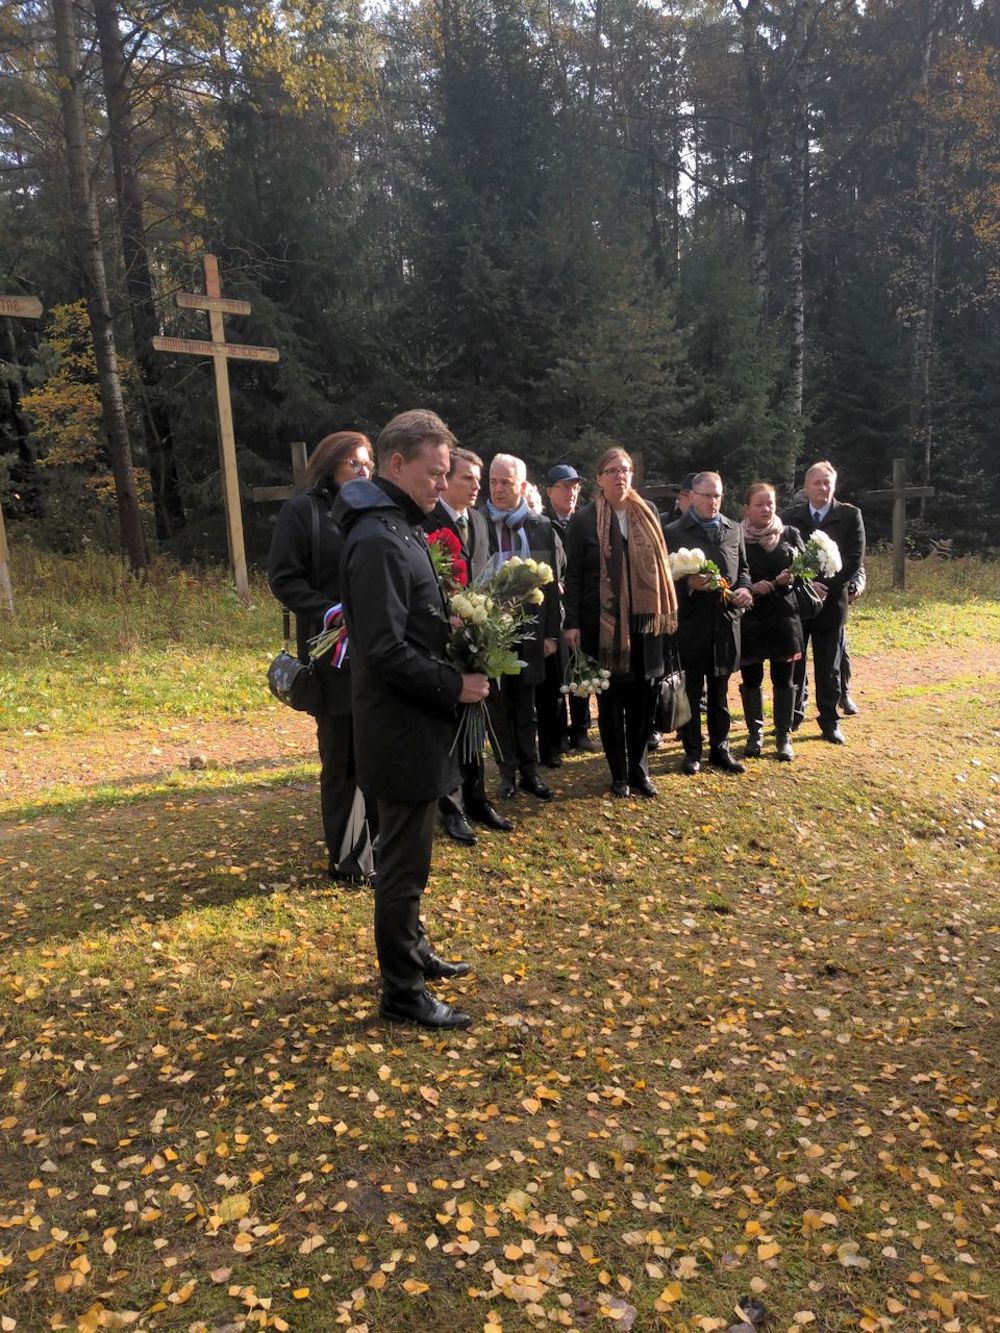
[616, 472]
[359, 465]
[709, 495]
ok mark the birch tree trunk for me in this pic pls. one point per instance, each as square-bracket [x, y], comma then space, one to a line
[86, 226]
[167, 505]
[799, 164]
[926, 248]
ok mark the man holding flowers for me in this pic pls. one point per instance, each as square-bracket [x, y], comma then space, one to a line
[711, 594]
[456, 511]
[404, 695]
[822, 513]
[515, 531]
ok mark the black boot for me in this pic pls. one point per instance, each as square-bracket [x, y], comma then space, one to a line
[753, 712]
[784, 706]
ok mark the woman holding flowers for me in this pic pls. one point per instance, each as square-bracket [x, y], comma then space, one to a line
[620, 601]
[771, 630]
[303, 569]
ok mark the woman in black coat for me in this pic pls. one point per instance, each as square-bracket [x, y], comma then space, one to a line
[308, 584]
[620, 601]
[771, 630]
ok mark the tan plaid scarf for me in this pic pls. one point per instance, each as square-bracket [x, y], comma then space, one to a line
[643, 603]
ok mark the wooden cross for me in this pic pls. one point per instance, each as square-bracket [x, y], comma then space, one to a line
[899, 494]
[221, 353]
[14, 307]
[299, 459]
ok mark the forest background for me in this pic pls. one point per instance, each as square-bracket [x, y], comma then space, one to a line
[733, 234]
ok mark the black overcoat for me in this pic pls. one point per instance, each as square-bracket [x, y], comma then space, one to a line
[543, 546]
[771, 628]
[705, 624]
[405, 695]
[292, 580]
[583, 592]
[844, 525]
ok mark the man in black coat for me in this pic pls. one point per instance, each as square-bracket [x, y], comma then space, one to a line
[842, 523]
[708, 625]
[514, 530]
[555, 733]
[404, 696]
[455, 511]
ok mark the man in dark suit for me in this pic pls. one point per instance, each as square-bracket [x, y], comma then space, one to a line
[514, 530]
[555, 732]
[404, 696]
[843, 523]
[455, 511]
[708, 626]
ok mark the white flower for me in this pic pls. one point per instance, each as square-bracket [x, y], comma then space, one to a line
[531, 566]
[564, 689]
[827, 554]
[514, 561]
[605, 684]
[536, 597]
[683, 562]
[545, 572]
[479, 616]
[461, 606]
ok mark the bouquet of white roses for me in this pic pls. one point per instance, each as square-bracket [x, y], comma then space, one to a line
[488, 622]
[583, 676]
[820, 559]
[684, 562]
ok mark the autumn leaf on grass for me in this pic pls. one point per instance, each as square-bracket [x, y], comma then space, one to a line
[233, 1207]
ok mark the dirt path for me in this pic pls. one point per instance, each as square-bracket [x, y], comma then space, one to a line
[31, 763]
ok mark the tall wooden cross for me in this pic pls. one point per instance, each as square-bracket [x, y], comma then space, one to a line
[899, 494]
[14, 307]
[221, 353]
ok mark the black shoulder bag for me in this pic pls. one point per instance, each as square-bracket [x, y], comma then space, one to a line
[290, 680]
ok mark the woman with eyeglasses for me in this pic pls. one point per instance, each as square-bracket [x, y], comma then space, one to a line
[306, 580]
[620, 601]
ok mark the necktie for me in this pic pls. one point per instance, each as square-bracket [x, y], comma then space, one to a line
[506, 540]
[816, 517]
[462, 523]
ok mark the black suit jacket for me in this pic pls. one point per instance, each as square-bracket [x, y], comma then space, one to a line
[844, 525]
[476, 549]
[404, 693]
[543, 546]
[704, 622]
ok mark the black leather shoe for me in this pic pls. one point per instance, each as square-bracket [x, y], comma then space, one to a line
[655, 741]
[833, 734]
[350, 881]
[489, 817]
[847, 705]
[723, 759]
[691, 766]
[620, 789]
[457, 826]
[797, 720]
[423, 1010]
[642, 786]
[551, 761]
[507, 789]
[534, 786]
[583, 743]
[437, 968]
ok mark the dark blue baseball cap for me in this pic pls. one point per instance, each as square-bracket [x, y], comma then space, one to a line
[561, 472]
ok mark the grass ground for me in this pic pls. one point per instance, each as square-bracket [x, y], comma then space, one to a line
[737, 1045]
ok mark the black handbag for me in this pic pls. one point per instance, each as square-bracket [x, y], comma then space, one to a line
[292, 681]
[673, 708]
[807, 600]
